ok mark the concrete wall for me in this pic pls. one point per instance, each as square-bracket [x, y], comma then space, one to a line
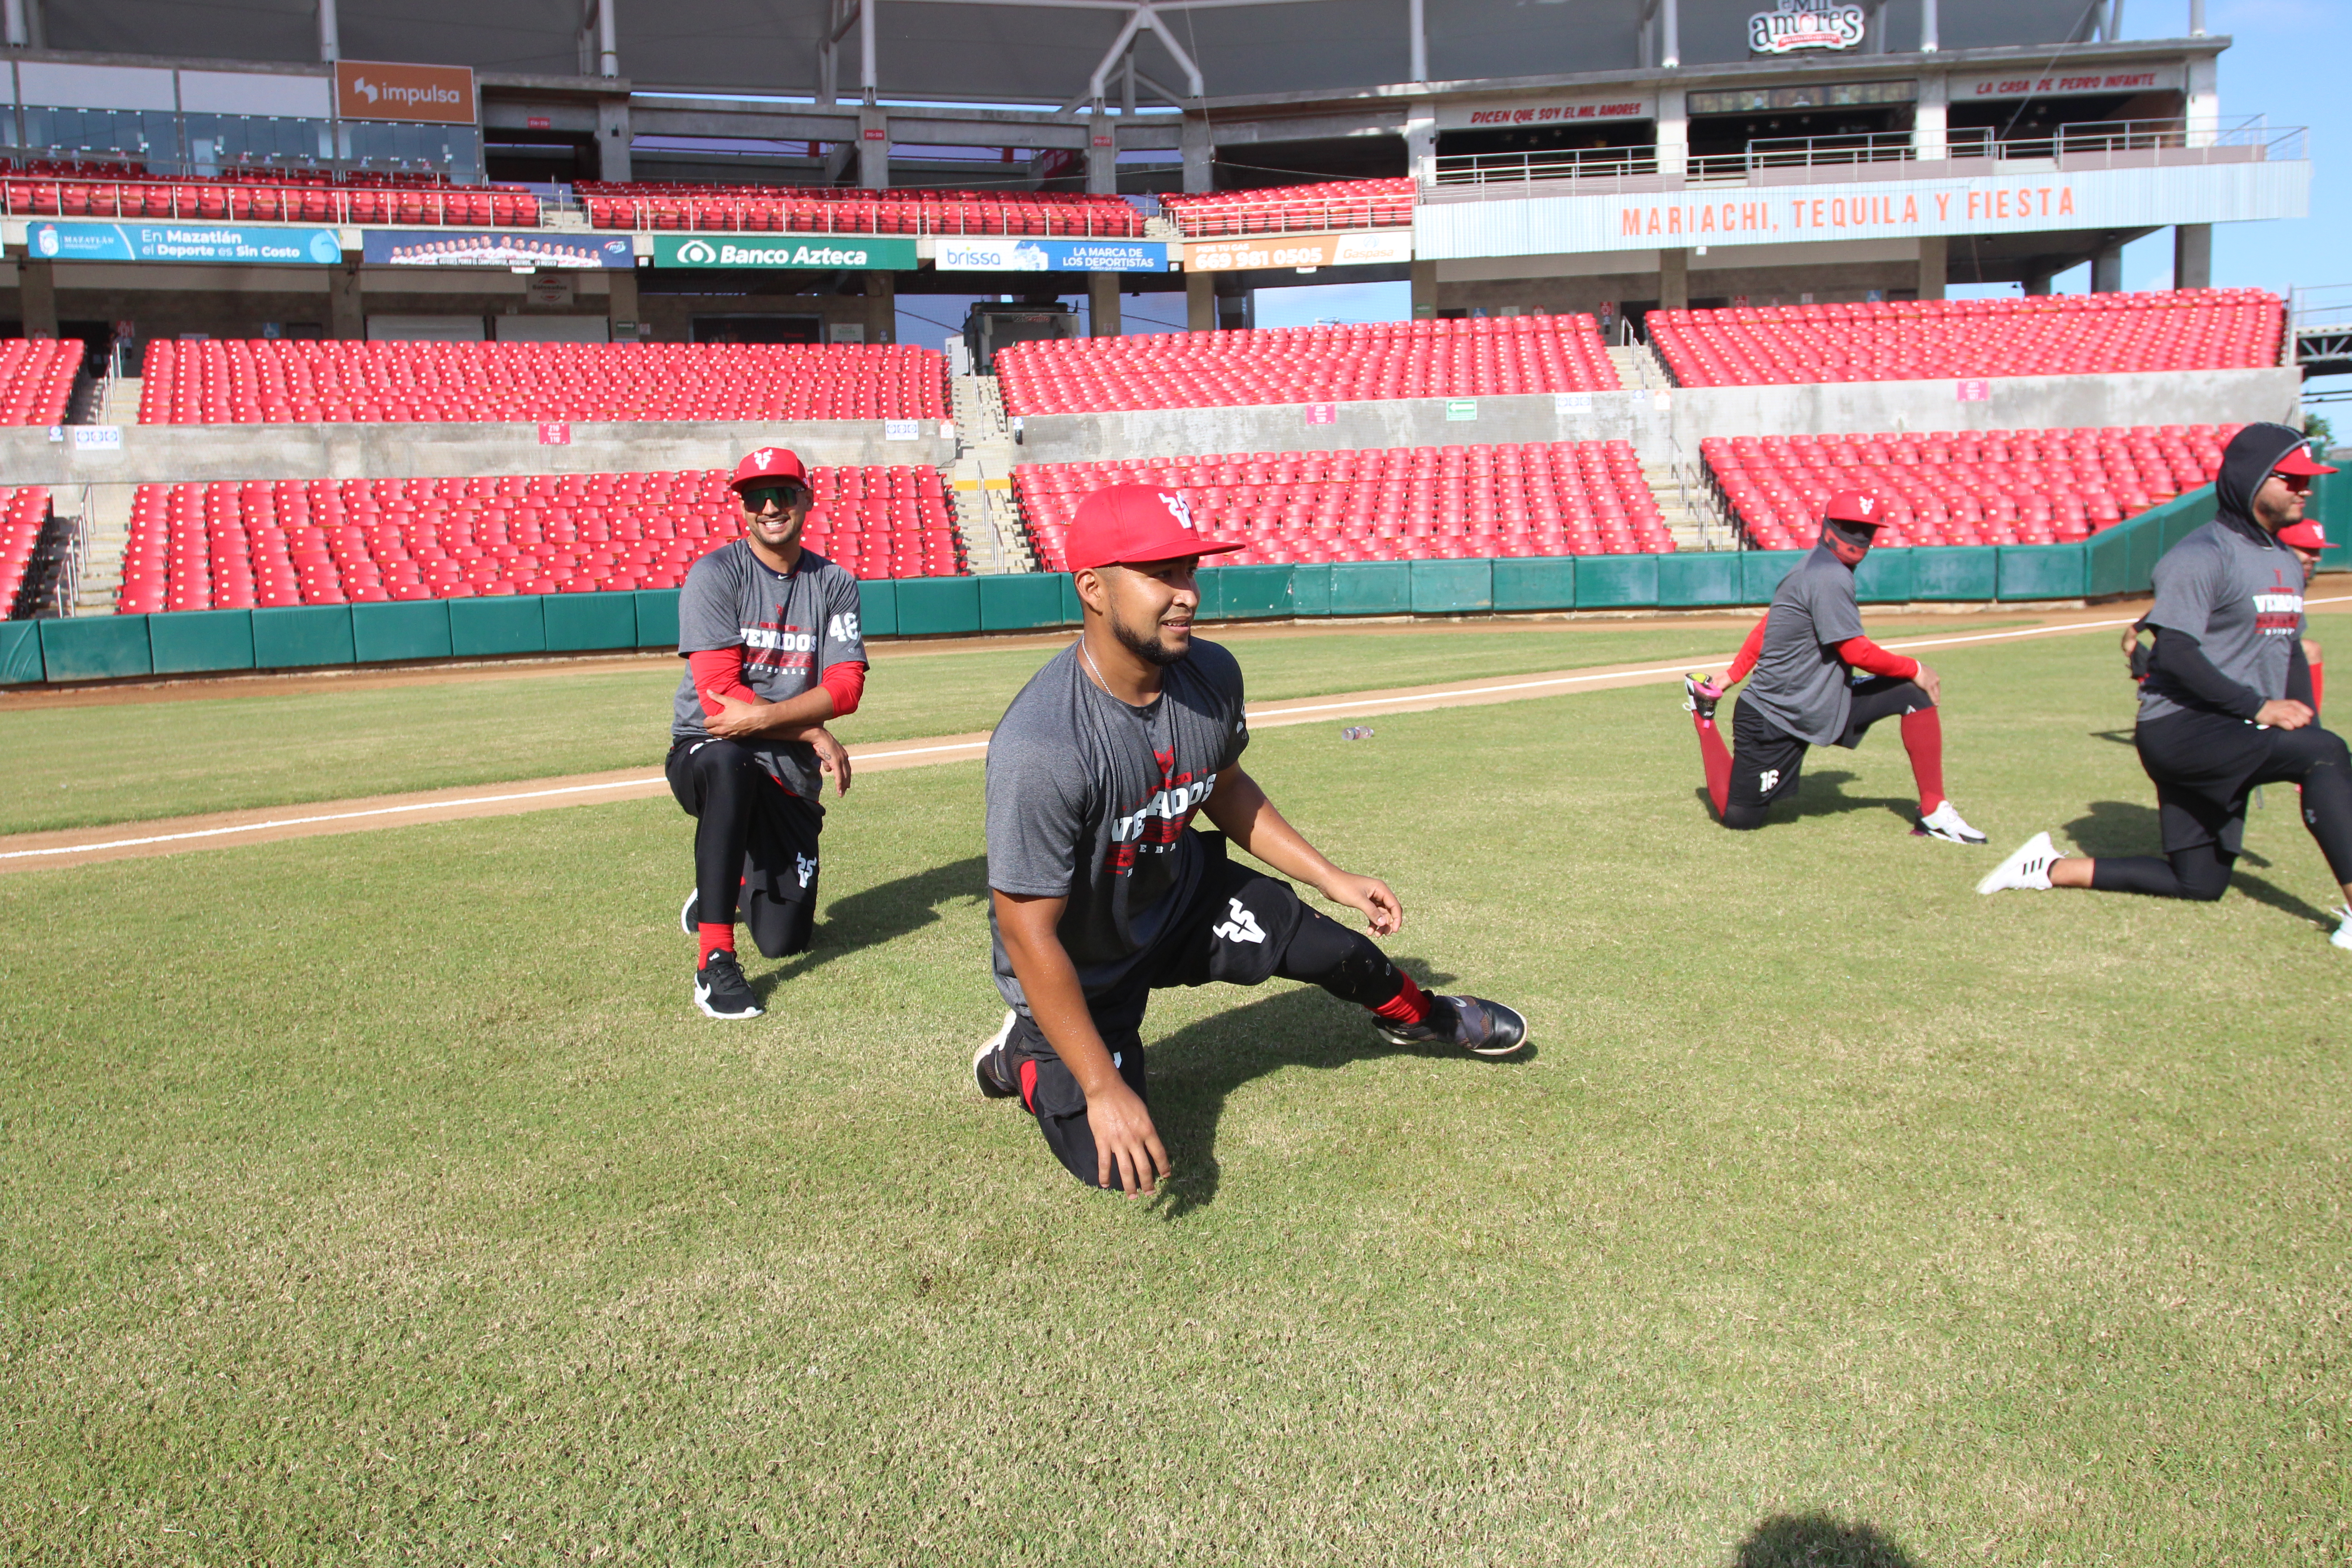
[2206, 397]
[153, 453]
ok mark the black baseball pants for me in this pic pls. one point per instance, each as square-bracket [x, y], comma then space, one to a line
[2205, 766]
[755, 845]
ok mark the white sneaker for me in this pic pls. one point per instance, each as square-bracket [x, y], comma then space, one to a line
[2343, 937]
[2027, 867]
[1944, 823]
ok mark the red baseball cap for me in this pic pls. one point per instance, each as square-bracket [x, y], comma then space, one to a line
[1853, 506]
[1125, 523]
[770, 466]
[2304, 535]
[2298, 460]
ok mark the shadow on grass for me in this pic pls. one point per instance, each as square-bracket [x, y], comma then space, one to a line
[1821, 795]
[2115, 827]
[2120, 736]
[1819, 1540]
[1196, 1069]
[880, 914]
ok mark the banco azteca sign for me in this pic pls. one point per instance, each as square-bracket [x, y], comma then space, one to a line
[856, 252]
[1805, 24]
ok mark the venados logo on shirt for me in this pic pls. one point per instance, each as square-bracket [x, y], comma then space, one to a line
[1152, 828]
[2278, 614]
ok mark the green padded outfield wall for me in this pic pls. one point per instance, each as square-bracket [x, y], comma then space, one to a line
[194, 642]
[95, 647]
[1540, 583]
[297, 638]
[498, 624]
[939, 606]
[1452, 587]
[20, 652]
[1020, 602]
[1699, 578]
[413, 628]
[577, 623]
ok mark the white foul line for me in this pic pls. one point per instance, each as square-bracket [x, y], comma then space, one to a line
[1262, 714]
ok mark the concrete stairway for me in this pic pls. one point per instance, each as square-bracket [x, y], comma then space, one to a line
[1639, 368]
[105, 533]
[981, 482]
[121, 405]
[1689, 510]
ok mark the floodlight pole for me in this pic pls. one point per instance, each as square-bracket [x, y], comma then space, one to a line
[1417, 20]
[2196, 18]
[865, 49]
[1670, 25]
[608, 40]
[18, 35]
[330, 42]
[1929, 41]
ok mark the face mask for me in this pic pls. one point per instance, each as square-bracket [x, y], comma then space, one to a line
[1849, 541]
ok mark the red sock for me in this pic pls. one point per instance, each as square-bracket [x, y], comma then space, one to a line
[1717, 758]
[1409, 1005]
[1923, 737]
[715, 938]
[2318, 684]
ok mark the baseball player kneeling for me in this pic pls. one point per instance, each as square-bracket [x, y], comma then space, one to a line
[1101, 891]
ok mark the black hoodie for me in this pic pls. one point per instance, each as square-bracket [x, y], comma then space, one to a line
[2178, 664]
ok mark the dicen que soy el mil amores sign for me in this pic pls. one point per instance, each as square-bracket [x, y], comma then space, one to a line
[385, 89]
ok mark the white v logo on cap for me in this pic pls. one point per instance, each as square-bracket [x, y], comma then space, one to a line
[1179, 508]
[763, 456]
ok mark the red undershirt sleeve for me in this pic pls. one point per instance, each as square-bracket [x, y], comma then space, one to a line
[1867, 656]
[847, 684]
[719, 669]
[1747, 652]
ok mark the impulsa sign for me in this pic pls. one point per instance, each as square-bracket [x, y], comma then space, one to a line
[380, 90]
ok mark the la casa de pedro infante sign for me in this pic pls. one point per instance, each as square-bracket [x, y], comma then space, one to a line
[1805, 24]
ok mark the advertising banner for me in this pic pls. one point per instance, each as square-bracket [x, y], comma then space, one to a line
[1264, 250]
[2060, 84]
[959, 253]
[493, 247]
[2026, 202]
[183, 242]
[1550, 109]
[384, 90]
[785, 252]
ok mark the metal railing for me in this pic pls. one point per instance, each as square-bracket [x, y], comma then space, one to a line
[1292, 213]
[2089, 145]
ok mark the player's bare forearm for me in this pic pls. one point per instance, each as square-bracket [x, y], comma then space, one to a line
[1240, 807]
[1049, 981]
[793, 719]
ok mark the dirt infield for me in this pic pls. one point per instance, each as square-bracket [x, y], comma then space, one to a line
[79, 846]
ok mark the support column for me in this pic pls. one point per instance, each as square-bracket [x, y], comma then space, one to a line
[1930, 33]
[1425, 290]
[1102, 304]
[881, 307]
[1670, 34]
[330, 32]
[346, 308]
[2038, 284]
[1934, 270]
[19, 30]
[2192, 256]
[2202, 113]
[1674, 131]
[1199, 148]
[1200, 302]
[1102, 157]
[872, 150]
[613, 139]
[2107, 271]
[37, 283]
[1421, 148]
[621, 305]
[1931, 117]
[1673, 279]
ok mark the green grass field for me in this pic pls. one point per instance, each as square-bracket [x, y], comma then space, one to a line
[381, 1198]
[258, 747]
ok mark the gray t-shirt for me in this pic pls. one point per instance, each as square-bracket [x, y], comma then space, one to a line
[1799, 682]
[791, 629]
[2241, 598]
[1092, 800]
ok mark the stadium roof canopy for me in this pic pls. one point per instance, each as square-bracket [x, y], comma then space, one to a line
[980, 51]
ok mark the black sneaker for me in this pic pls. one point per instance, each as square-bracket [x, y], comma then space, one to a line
[720, 990]
[1697, 701]
[1483, 1029]
[987, 1067]
[689, 914]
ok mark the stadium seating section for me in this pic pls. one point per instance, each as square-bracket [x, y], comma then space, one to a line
[265, 197]
[22, 511]
[1993, 487]
[37, 379]
[274, 381]
[1488, 356]
[1292, 209]
[1418, 503]
[815, 209]
[232, 546]
[2078, 334]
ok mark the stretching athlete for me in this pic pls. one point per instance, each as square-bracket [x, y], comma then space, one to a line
[2307, 539]
[1803, 653]
[1102, 892]
[2228, 703]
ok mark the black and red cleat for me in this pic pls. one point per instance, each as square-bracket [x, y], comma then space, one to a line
[1483, 1029]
